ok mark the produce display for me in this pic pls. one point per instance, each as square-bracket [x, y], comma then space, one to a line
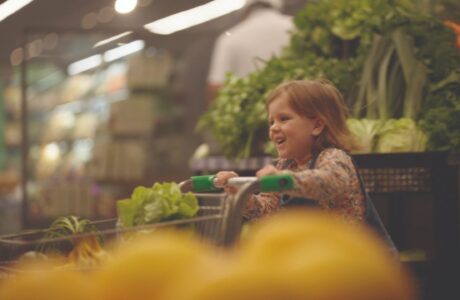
[293, 255]
[397, 67]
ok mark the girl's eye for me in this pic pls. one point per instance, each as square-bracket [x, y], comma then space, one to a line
[279, 119]
[284, 118]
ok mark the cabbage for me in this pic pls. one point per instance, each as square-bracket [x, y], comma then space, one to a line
[401, 135]
[365, 132]
[393, 135]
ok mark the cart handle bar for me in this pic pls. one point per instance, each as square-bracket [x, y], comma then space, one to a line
[271, 183]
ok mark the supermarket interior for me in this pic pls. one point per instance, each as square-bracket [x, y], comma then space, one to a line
[115, 115]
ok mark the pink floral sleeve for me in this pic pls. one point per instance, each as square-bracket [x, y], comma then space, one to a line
[262, 204]
[333, 183]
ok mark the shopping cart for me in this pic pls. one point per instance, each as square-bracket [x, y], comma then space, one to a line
[226, 227]
[219, 218]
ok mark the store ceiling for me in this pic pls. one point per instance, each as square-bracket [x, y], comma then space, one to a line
[65, 18]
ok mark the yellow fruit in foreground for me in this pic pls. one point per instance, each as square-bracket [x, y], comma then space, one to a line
[153, 266]
[310, 255]
[45, 282]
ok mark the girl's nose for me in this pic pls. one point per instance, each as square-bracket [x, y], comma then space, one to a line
[274, 127]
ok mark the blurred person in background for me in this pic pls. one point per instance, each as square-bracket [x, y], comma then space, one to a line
[262, 33]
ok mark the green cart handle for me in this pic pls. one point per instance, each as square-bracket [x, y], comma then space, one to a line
[272, 183]
[276, 183]
[204, 183]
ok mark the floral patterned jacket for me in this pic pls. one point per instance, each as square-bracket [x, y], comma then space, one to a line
[332, 184]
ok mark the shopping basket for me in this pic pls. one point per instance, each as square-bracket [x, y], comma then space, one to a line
[218, 220]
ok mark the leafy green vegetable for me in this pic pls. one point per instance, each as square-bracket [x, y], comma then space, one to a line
[73, 224]
[66, 226]
[441, 120]
[126, 210]
[365, 131]
[163, 201]
[85, 251]
[393, 135]
[400, 135]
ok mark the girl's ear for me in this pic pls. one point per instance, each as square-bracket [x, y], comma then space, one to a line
[318, 127]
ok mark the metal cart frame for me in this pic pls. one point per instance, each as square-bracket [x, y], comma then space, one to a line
[219, 218]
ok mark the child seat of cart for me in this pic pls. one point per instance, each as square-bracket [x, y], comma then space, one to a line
[371, 216]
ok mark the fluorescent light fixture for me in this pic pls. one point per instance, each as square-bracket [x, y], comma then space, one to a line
[9, 7]
[194, 16]
[124, 50]
[111, 39]
[110, 55]
[84, 64]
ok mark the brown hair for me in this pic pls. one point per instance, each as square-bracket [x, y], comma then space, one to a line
[319, 99]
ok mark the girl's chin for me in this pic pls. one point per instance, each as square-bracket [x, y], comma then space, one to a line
[282, 154]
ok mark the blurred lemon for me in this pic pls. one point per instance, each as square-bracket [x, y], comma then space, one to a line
[45, 282]
[154, 266]
[310, 255]
[242, 283]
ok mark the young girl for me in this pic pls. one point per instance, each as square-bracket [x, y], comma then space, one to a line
[308, 127]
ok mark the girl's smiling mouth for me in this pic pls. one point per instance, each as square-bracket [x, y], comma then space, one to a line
[279, 141]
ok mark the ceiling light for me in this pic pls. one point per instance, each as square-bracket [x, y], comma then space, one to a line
[124, 50]
[111, 39]
[51, 152]
[9, 7]
[110, 55]
[194, 16]
[125, 6]
[84, 64]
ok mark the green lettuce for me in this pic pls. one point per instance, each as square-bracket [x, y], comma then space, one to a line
[163, 201]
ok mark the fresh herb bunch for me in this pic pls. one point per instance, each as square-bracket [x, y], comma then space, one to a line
[441, 120]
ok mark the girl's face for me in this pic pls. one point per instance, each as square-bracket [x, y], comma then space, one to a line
[292, 134]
